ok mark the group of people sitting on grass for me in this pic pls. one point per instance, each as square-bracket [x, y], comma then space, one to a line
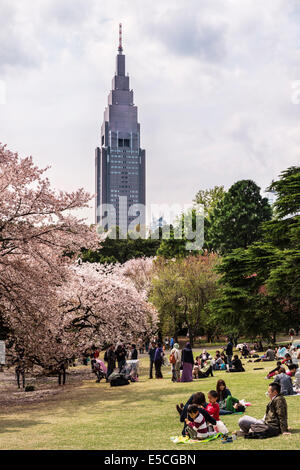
[200, 367]
[116, 356]
[202, 419]
[287, 353]
[284, 378]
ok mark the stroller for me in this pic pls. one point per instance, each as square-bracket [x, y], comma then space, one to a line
[128, 373]
[131, 370]
[99, 370]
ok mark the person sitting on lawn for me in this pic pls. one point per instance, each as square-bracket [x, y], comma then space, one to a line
[294, 355]
[223, 392]
[273, 371]
[287, 359]
[213, 407]
[224, 358]
[295, 372]
[245, 351]
[275, 421]
[197, 366]
[204, 356]
[195, 399]
[270, 355]
[285, 382]
[218, 362]
[232, 405]
[197, 428]
[214, 410]
[281, 352]
[237, 365]
[206, 370]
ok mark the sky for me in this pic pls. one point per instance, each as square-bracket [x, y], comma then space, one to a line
[216, 82]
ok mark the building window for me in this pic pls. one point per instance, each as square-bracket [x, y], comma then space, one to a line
[123, 143]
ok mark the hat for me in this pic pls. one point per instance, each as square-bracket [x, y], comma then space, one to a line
[176, 346]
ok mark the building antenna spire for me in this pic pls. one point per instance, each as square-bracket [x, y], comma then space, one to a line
[120, 48]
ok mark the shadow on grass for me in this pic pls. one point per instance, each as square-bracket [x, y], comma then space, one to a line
[14, 425]
[295, 431]
[122, 397]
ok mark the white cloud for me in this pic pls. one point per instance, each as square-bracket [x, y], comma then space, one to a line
[212, 81]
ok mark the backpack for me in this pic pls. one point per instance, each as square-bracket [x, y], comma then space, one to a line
[172, 358]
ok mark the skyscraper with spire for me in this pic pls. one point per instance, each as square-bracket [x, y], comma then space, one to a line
[120, 161]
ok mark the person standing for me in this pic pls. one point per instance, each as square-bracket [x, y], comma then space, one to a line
[62, 372]
[275, 421]
[158, 361]
[111, 360]
[175, 365]
[133, 353]
[229, 352]
[187, 360]
[151, 353]
[292, 334]
[172, 343]
[20, 371]
[121, 356]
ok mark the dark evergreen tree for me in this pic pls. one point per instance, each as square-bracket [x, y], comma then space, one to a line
[236, 219]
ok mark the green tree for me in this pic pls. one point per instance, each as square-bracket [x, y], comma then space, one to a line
[188, 229]
[260, 292]
[181, 291]
[244, 306]
[120, 250]
[235, 221]
[283, 233]
[209, 198]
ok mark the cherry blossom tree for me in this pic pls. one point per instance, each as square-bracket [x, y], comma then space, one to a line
[106, 306]
[52, 307]
[37, 229]
[140, 272]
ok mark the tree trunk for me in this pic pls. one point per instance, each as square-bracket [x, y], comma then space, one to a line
[191, 338]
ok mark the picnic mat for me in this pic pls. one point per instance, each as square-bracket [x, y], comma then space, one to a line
[187, 440]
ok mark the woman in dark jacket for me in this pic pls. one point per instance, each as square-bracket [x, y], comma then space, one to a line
[237, 365]
[158, 361]
[223, 393]
[199, 400]
[187, 360]
[121, 356]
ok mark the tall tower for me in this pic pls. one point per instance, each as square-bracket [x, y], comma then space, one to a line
[120, 161]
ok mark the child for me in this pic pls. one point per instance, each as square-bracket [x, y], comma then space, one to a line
[197, 429]
[213, 409]
[196, 367]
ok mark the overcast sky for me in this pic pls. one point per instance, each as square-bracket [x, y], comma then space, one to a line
[212, 80]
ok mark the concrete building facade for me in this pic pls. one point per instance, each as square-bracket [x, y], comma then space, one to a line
[120, 173]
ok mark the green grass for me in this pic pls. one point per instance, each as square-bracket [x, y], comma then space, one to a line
[139, 416]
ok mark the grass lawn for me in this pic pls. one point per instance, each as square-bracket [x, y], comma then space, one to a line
[138, 416]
